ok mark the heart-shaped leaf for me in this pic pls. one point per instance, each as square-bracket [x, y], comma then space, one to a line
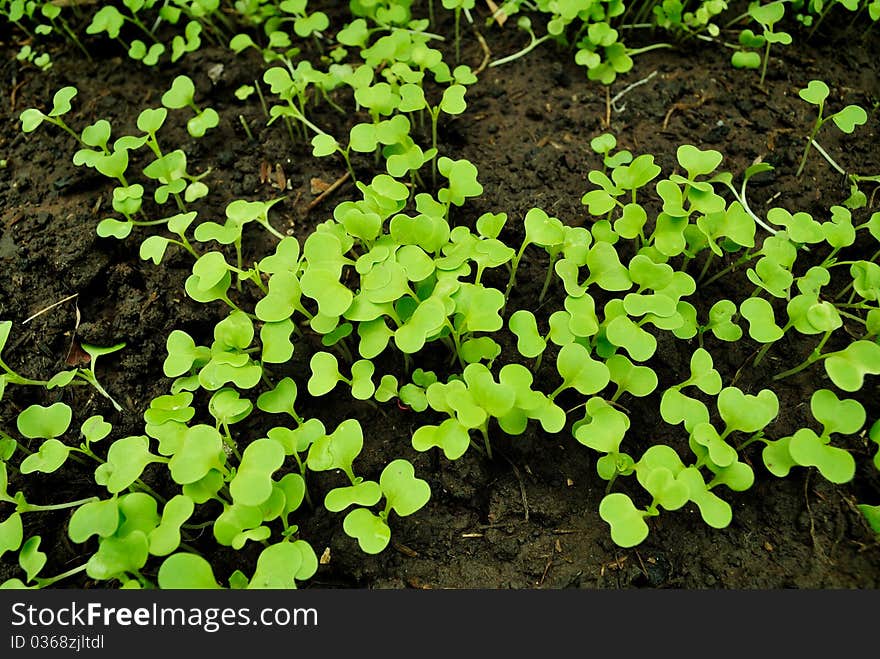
[371, 531]
[404, 492]
[628, 527]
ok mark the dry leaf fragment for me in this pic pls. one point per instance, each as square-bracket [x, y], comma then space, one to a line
[499, 16]
[317, 185]
[76, 356]
[280, 178]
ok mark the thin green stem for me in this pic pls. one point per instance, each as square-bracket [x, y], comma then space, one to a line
[513, 268]
[815, 356]
[706, 265]
[457, 35]
[733, 266]
[656, 46]
[509, 58]
[484, 430]
[764, 65]
[247, 129]
[34, 508]
[60, 123]
[45, 582]
[813, 134]
[548, 278]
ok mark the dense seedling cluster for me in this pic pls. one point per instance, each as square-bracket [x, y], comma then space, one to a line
[404, 274]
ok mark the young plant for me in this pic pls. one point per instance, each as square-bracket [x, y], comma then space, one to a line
[404, 494]
[767, 16]
[457, 6]
[807, 448]
[472, 401]
[816, 93]
[31, 118]
[182, 95]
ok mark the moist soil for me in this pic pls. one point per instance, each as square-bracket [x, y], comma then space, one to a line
[528, 517]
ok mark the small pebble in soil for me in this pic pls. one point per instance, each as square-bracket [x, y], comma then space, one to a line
[718, 132]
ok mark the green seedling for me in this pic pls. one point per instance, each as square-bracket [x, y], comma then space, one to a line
[282, 564]
[43, 61]
[338, 450]
[462, 181]
[602, 429]
[471, 403]
[741, 412]
[678, 408]
[544, 231]
[671, 485]
[404, 494]
[88, 374]
[31, 118]
[238, 524]
[628, 526]
[230, 360]
[188, 42]
[252, 484]
[126, 460]
[32, 560]
[674, 16]
[806, 448]
[281, 399]
[184, 571]
[169, 170]
[816, 93]
[110, 20]
[529, 342]
[767, 16]
[639, 381]
[122, 525]
[847, 368]
[46, 423]
[228, 408]
[580, 371]
[201, 450]
[9, 376]
[604, 144]
[182, 95]
[325, 376]
[304, 24]
[239, 213]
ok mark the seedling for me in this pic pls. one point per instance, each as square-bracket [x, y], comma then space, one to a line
[767, 16]
[807, 448]
[239, 213]
[473, 401]
[816, 93]
[182, 95]
[31, 118]
[457, 6]
[404, 494]
[9, 376]
[47, 423]
[88, 373]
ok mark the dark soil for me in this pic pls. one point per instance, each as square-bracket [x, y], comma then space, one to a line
[529, 517]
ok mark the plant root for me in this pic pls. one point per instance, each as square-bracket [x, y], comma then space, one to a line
[49, 308]
[816, 545]
[487, 54]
